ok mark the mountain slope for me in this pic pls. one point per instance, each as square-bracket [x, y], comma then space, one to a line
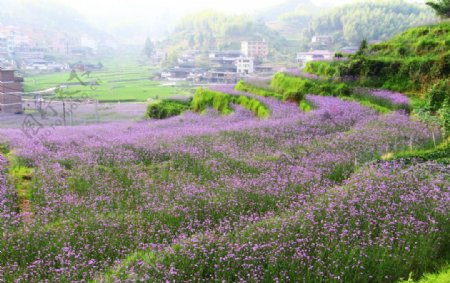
[210, 30]
[371, 20]
[45, 14]
[288, 7]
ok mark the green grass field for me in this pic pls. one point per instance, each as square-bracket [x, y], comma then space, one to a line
[123, 79]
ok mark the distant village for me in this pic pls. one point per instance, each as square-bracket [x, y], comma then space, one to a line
[36, 51]
[29, 49]
[251, 60]
[221, 66]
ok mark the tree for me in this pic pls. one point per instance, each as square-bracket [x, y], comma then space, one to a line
[363, 47]
[441, 7]
[149, 47]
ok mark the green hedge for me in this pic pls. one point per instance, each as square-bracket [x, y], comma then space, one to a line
[166, 108]
[437, 95]
[222, 102]
[246, 87]
[323, 69]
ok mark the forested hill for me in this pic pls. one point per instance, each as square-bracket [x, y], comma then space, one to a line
[48, 15]
[290, 7]
[210, 30]
[350, 24]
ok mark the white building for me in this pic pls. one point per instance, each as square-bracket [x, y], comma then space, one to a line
[315, 55]
[255, 49]
[245, 65]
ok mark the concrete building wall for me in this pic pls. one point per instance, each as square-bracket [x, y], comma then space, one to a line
[259, 49]
[6, 76]
[10, 92]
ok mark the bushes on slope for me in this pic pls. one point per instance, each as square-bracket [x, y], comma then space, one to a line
[249, 88]
[166, 108]
[222, 103]
[295, 88]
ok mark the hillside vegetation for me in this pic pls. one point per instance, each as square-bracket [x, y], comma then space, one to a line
[210, 30]
[416, 62]
[411, 62]
[380, 20]
[50, 14]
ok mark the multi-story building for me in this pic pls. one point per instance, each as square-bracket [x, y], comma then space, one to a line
[255, 49]
[245, 66]
[10, 92]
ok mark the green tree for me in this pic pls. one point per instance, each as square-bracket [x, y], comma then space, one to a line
[149, 47]
[441, 7]
[363, 47]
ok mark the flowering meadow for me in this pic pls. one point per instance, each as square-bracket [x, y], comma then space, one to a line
[386, 98]
[292, 197]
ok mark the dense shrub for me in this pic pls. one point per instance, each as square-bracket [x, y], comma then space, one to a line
[295, 88]
[444, 115]
[324, 69]
[222, 103]
[206, 98]
[249, 88]
[166, 109]
[437, 94]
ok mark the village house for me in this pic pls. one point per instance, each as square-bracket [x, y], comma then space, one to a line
[215, 55]
[183, 74]
[26, 51]
[264, 68]
[188, 57]
[10, 92]
[43, 65]
[221, 76]
[245, 66]
[255, 49]
[322, 40]
[315, 55]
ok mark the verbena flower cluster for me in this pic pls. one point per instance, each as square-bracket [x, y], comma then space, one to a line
[226, 198]
[394, 97]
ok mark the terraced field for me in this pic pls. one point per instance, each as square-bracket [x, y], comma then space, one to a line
[225, 195]
[121, 80]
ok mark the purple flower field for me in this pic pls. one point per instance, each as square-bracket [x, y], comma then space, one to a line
[389, 99]
[394, 97]
[295, 197]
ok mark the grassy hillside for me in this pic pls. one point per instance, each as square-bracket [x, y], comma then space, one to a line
[427, 41]
[416, 62]
[411, 62]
